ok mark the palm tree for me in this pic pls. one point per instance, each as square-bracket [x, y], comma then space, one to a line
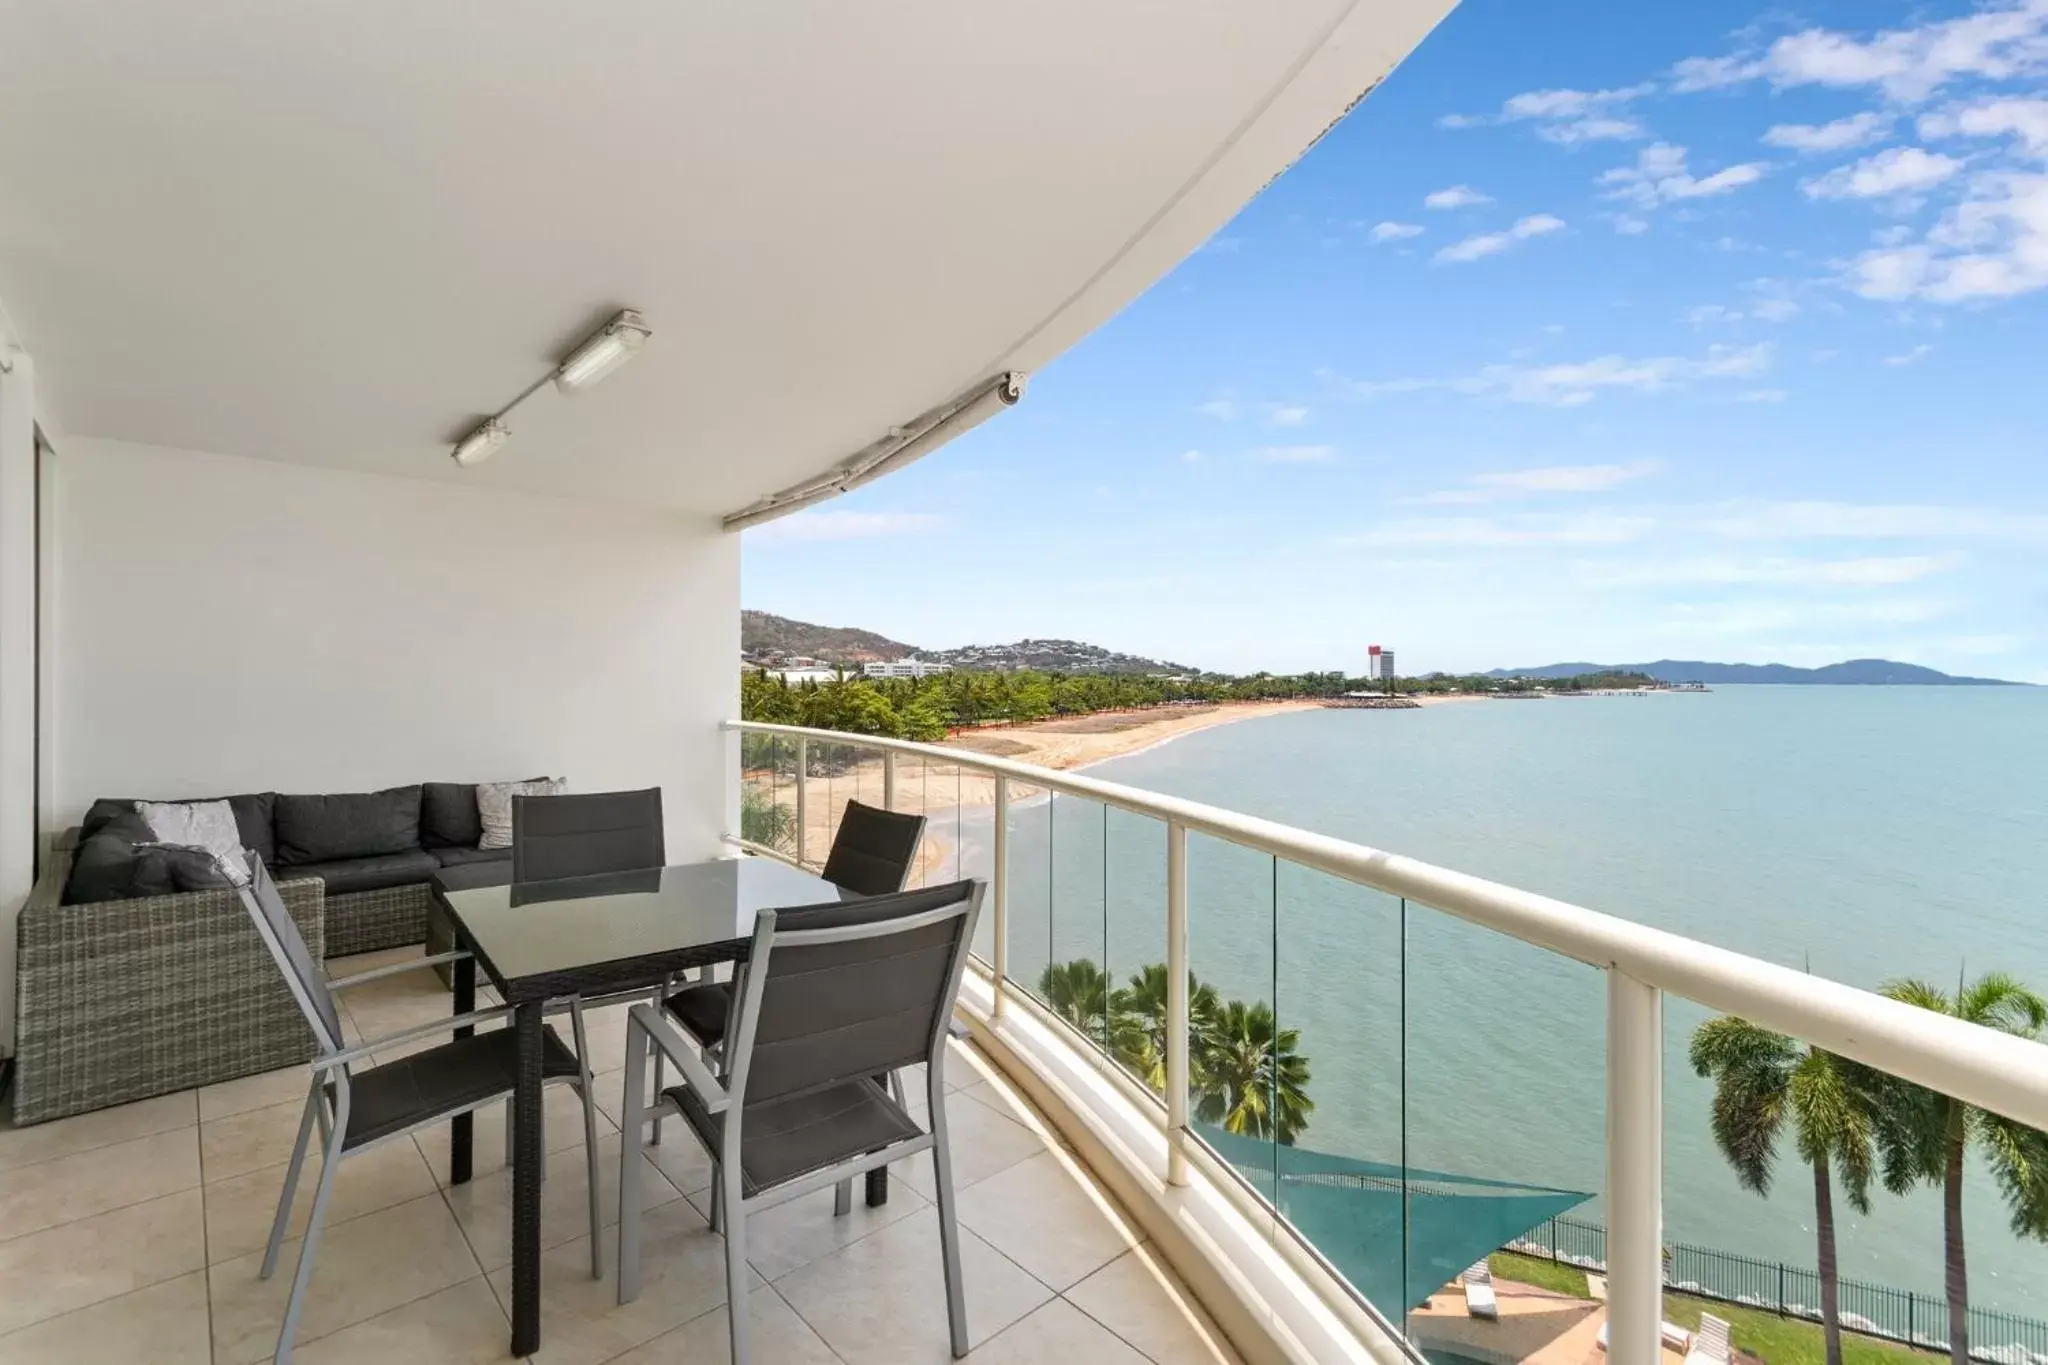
[1760, 1080]
[1078, 992]
[1251, 1077]
[1138, 1023]
[1926, 1135]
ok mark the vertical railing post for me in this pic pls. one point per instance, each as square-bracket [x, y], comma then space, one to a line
[888, 779]
[1001, 967]
[803, 781]
[1635, 1170]
[1176, 1003]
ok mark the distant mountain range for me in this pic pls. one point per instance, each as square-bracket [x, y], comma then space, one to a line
[1862, 672]
[766, 638]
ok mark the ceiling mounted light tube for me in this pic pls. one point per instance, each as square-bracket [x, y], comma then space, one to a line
[900, 446]
[482, 443]
[611, 346]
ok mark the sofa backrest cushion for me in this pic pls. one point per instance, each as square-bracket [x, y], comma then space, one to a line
[103, 863]
[448, 817]
[167, 869]
[254, 813]
[321, 829]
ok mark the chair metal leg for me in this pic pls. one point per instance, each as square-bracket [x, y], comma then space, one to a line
[314, 1108]
[735, 1261]
[585, 1088]
[330, 1162]
[632, 1143]
[717, 1198]
[949, 1227]
[842, 1199]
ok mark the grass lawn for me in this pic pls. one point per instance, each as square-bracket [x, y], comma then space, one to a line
[1775, 1340]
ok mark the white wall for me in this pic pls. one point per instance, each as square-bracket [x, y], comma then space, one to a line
[238, 625]
[18, 658]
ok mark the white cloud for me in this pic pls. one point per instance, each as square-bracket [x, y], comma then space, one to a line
[1761, 396]
[1191, 456]
[1563, 104]
[1857, 130]
[1489, 243]
[1520, 483]
[1283, 416]
[1601, 128]
[1712, 314]
[1912, 357]
[1993, 244]
[2026, 121]
[1660, 176]
[1393, 232]
[1774, 310]
[1222, 409]
[1750, 617]
[1874, 571]
[844, 525]
[1294, 454]
[1462, 121]
[1629, 226]
[1893, 171]
[1575, 384]
[1592, 529]
[1564, 116]
[1999, 42]
[1858, 521]
[1456, 197]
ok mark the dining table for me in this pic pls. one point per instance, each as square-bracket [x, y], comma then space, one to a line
[541, 943]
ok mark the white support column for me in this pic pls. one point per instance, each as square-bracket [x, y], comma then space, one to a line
[18, 659]
[1635, 1170]
[803, 782]
[1001, 892]
[1176, 1003]
[888, 779]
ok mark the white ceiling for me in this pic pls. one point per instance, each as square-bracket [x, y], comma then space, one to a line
[338, 233]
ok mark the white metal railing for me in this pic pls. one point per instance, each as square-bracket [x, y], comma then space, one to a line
[1980, 1066]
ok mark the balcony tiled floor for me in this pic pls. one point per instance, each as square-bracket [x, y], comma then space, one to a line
[134, 1234]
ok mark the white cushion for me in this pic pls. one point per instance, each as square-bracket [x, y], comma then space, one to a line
[494, 806]
[200, 824]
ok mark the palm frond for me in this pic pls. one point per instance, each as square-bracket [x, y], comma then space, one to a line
[2019, 1162]
[1998, 1000]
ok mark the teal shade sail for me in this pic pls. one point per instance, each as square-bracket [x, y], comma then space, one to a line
[1353, 1212]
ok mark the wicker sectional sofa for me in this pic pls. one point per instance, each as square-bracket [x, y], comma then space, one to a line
[121, 999]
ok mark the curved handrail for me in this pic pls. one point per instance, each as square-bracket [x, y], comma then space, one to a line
[1980, 1066]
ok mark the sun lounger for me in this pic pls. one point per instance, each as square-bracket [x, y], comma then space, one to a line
[1710, 1345]
[1478, 1282]
[1676, 1337]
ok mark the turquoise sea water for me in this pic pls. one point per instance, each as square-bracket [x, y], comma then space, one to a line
[1861, 833]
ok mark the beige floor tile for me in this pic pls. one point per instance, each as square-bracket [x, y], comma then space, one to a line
[561, 1130]
[461, 1325]
[775, 1334]
[484, 1205]
[251, 1140]
[259, 1091]
[1045, 1214]
[582, 1321]
[1057, 1334]
[1137, 1297]
[882, 1300]
[793, 1235]
[365, 1267]
[78, 1186]
[983, 1142]
[239, 1210]
[164, 1324]
[84, 1132]
[77, 1264]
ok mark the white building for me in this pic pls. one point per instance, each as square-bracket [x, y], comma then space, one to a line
[1379, 664]
[904, 668]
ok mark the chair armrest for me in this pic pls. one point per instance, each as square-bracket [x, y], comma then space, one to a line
[696, 1075]
[426, 1030]
[342, 983]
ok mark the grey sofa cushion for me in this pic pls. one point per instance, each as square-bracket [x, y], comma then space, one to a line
[448, 816]
[167, 869]
[103, 865]
[345, 876]
[254, 812]
[325, 829]
[471, 857]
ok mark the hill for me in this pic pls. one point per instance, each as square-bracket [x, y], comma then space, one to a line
[770, 639]
[1856, 672]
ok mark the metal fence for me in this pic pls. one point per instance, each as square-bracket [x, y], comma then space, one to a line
[1794, 1292]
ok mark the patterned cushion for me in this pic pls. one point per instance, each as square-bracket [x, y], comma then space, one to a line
[209, 825]
[494, 806]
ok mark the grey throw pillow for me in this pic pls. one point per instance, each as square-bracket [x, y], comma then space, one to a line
[199, 824]
[494, 806]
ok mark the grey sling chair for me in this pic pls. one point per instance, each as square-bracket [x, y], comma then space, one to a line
[358, 1109]
[862, 989]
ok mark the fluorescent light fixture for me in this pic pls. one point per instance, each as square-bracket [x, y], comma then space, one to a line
[481, 443]
[610, 347]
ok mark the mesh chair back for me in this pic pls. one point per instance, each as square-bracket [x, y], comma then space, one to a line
[872, 852]
[823, 1013]
[280, 933]
[584, 834]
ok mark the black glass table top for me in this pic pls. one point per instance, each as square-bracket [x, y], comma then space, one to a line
[581, 934]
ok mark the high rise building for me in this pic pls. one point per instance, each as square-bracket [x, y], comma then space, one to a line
[1379, 663]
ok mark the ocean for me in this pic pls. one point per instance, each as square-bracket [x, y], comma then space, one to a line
[1861, 833]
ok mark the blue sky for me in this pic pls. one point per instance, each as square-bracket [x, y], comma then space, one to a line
[1600, 331]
